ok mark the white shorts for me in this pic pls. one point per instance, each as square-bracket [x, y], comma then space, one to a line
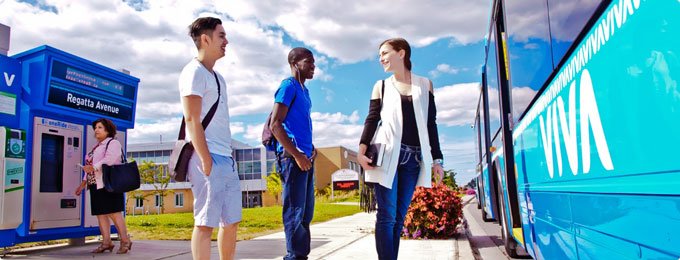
[217, 198]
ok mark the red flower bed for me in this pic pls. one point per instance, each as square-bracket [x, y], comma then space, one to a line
[433, 213]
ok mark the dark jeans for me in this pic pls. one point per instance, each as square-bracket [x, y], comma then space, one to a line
[393, 203]
[298, 208]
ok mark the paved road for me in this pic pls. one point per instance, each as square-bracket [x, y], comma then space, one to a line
[484, 237]
[343, 238]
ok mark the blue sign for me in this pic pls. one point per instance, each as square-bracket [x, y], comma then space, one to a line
[72, 74]
[69, 88]
[67, 97]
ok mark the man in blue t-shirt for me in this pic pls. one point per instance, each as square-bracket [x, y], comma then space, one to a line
[291, 125]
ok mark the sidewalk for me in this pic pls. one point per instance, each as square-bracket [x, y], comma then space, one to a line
[349, 237]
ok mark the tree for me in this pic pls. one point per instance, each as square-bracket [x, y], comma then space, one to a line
[450, 179]
[274, 184]
[472, 184]
[153, 174]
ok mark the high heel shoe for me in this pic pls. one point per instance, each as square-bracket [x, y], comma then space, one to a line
[102, 248]
[124, 247]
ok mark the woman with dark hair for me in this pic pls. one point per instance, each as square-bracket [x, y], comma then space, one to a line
[105, 205]
[403, 105]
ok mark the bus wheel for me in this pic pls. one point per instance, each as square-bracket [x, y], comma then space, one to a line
[485, 217]
[508, 241]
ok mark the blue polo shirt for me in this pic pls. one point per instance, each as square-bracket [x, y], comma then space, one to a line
[298, 122]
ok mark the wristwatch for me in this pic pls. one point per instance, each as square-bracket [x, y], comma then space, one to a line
[438, 161]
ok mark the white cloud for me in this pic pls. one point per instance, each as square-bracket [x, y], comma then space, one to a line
[457, 104]
[567, 18]
[336, 117]
[521, 96]
[254, 133]
[443, 69]
[337, 129]
[237, 128]
[330, 129]
[154, 46]
[531, 46]
[150, 40]
[351, 30]
[165, 129]
[529, 20]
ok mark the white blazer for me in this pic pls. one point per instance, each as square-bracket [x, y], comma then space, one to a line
[390, 131]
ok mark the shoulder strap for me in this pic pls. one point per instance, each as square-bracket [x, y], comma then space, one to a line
[107, 145]
[123, 158]
[292, 101]
[208, 117]
[382, 92]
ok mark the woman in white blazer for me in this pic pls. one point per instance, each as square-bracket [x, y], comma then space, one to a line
[402, 116]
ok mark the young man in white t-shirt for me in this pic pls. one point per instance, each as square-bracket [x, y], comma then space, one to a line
[214, 180]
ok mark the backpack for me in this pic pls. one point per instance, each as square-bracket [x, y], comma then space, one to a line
[268, 140]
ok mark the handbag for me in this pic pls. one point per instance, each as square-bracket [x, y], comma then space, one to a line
[376, 150]
[178, 164]
[121, 178]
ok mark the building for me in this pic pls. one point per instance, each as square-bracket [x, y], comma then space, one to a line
[330, 160]
[253, 164]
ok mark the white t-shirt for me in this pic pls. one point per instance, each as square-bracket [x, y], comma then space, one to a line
[195, 79]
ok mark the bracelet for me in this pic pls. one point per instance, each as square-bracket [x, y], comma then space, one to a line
[438, 161]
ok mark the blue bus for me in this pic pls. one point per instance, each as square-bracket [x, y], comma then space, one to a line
[576, 126]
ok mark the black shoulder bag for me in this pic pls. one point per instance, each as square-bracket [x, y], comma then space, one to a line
[120, 178]
[178, 164]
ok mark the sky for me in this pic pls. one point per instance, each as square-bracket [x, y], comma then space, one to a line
[149, 38]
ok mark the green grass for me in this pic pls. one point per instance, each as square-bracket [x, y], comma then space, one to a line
[255, 222]
[324, 196]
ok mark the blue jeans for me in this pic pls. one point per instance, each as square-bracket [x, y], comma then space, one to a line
[393, 203]
[298, 208]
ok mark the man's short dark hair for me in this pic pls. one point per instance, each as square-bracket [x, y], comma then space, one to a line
[203, 25]
[108, 125]
[298, 53]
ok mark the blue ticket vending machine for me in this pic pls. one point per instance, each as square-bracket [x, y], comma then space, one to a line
[61, 96]
[12, 149]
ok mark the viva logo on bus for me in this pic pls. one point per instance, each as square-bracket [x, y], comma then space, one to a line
[557, 122]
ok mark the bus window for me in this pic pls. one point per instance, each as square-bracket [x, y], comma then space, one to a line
[492, 85]
[567, 19]
[528, 43]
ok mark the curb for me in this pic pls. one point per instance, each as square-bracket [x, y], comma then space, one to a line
[466, 233]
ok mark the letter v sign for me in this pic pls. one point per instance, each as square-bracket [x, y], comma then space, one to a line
[9, 79]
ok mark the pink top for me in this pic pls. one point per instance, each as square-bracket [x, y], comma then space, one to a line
[101, 156]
